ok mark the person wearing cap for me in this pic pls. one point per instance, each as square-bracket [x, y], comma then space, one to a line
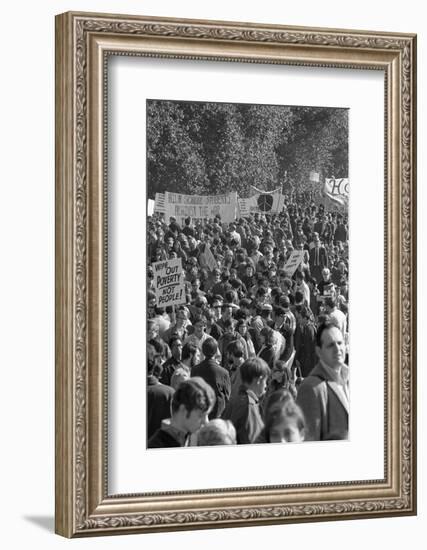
[191, 403]
[215, 375]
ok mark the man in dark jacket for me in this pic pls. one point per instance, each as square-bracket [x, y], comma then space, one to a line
[318, 258]
[243, 410]
[191, 402]
[159, 396]
[216, 376]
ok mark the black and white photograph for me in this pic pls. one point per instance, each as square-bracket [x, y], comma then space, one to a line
[248, 262]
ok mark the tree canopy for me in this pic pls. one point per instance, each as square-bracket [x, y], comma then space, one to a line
[211, 148]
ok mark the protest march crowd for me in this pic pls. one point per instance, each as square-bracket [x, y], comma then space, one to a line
[247, 327]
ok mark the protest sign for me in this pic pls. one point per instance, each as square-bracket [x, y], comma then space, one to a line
[200, 207]
[293, 262]
[314, 176]
[268, 202]
[169, 282]
[159, 203]
[150, 207]
[337, 189]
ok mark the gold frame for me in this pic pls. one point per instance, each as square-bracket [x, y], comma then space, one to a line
[83, 41]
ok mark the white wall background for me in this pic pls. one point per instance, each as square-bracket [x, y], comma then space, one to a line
[27, 273]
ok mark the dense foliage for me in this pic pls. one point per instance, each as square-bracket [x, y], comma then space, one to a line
[210, 148]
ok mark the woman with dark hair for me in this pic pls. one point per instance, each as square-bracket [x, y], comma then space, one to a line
[242, 329]
[283, 420]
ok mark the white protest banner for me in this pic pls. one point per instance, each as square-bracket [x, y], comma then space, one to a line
[207, 259]
[293, 262]
[150, 207]
[314, 176]
[200, 207]
[244, 207]
[337, 189]
[169, 282]
[269, 202]
[159, 203]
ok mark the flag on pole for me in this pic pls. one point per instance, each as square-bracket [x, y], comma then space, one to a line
[337, 189]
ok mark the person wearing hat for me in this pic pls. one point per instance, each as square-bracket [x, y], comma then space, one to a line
[216, 376]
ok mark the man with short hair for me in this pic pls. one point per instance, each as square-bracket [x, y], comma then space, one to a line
[235, 353]
[190, 356]
[171, 364]
[199, 335]
[324, 395]
[215, 375]
[243, 410]
[159, 396]
[318, 258]
[191, 402]
[336, 315]
[230, 335]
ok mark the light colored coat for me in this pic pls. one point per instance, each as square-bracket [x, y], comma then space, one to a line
[325, 410]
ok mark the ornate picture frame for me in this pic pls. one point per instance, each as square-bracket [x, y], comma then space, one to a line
[84, 43]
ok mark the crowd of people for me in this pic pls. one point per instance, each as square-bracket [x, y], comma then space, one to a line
[257, 353]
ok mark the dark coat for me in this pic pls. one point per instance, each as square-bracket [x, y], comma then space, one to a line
[169, 367]
[243, 411]
[219, 380]
[325, 413]
[161, 439]
[317, 266]
[305, 345]
[159, 398]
